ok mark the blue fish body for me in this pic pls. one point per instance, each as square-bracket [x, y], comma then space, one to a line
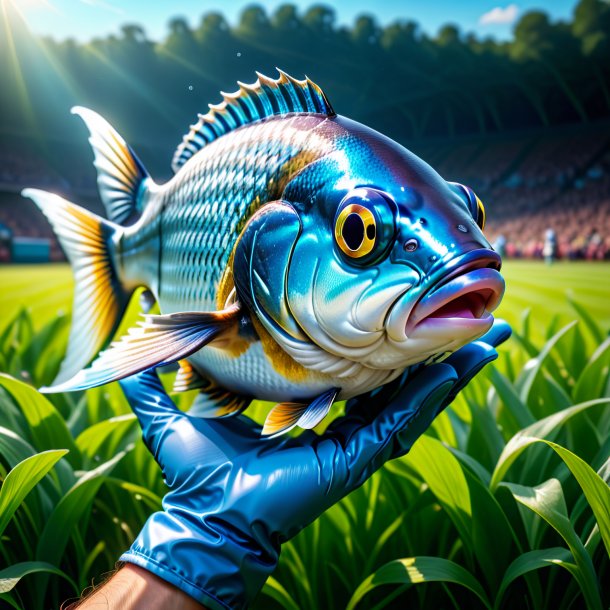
[296, 256]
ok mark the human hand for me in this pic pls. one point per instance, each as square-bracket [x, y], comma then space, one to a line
[236, 496]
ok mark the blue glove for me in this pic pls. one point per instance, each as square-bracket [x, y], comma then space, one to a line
[235, 497]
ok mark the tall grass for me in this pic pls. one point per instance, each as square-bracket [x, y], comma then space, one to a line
[504, 503]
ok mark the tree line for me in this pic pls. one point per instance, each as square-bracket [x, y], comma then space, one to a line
[396, 78]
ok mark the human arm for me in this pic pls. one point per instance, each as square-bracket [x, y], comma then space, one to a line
[134, 588]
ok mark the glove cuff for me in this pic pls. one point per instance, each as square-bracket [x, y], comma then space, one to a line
[221, 569]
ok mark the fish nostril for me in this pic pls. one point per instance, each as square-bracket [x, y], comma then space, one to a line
[411, 245]
[462, 229]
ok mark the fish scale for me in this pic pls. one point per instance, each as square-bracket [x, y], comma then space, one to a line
[201, 214]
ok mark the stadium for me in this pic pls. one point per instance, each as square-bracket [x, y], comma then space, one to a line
[504, 502]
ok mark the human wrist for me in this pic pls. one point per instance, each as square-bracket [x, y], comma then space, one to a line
[221, 567]
[135, 588]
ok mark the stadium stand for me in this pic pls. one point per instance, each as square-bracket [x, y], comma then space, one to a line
[530, 182]
[533, 182]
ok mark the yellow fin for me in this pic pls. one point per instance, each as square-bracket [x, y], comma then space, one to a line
[99, 297]
[283, 417]
[216, 401]
[286, 415]
[188, 378]
[157, 341]
[121, 177]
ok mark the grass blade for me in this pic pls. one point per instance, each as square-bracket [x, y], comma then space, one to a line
[547, 500]
[593, 486]
[528, 562]
[22, 479]
[594, 378]
[9, 577]
[589, 321]
[540, 430]
[443, 473]
[533, 368]
[415, 570]
[112, 431]
[48, 428]
[273, 589]
[69, 510]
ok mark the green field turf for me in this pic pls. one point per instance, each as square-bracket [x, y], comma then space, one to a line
[45, 289]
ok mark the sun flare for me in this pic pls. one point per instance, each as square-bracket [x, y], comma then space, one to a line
[27, 4]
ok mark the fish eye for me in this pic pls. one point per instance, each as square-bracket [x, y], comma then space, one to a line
[480, 217]
[475, 205]
[355, 230]
[364, 225]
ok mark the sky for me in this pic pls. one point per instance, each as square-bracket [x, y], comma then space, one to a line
[84, 19]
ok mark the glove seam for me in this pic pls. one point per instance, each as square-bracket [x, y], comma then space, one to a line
[163, 567]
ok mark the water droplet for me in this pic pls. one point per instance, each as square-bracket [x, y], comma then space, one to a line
[462, 228]
[238, 54]
[190, 87]
[433, 258]
[402, 188]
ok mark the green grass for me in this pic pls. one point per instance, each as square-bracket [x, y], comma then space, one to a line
[42, 289]
[502, 504]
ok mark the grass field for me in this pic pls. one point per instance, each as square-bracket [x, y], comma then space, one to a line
[503, 503]
[46, 289]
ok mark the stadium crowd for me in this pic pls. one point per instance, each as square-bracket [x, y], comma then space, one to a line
[542, 188]
[558, 183]
[567, 196]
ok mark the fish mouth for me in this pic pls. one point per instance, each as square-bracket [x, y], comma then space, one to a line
[468, 298]
[460, 303]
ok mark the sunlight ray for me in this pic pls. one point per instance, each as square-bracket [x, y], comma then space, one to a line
[22, 89]
[164, 108]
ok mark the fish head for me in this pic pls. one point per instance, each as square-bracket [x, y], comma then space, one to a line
[372, 256]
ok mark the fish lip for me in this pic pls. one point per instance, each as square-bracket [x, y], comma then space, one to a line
[401, 317]
[481, 258]
[478, 291]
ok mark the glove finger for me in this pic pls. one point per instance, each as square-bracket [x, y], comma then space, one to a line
[498, 333]
[468, 362]
[152, 406]
[367, 446]
[468, 356]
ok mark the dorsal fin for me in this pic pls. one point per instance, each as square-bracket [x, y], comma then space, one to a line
[264, 98]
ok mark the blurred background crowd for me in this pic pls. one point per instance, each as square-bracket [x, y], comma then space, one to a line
[525, 122]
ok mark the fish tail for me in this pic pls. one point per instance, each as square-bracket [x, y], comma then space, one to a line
[100, 298]
[121, 178]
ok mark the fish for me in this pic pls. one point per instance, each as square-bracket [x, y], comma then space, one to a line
[296, 256]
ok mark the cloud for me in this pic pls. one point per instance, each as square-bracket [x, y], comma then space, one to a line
[499, 15]
[104, 5]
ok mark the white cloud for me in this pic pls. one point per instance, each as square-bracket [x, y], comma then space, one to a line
[500, 15]
[105, 5]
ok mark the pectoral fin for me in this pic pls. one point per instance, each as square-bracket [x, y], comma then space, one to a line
[187, 378]
[215, 401]
[158, 340]
[285, 416]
